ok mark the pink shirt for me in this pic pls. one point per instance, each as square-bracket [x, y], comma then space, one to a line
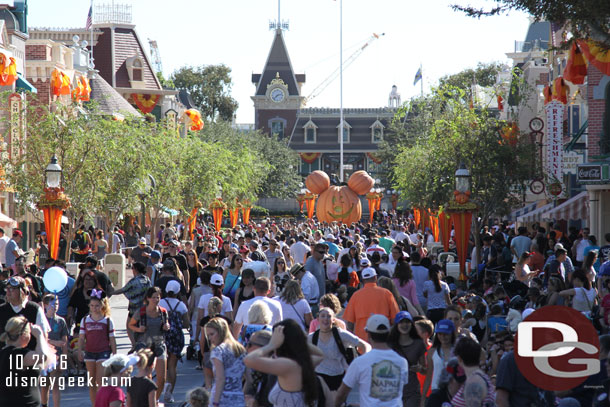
[108, 394]
[408, 290]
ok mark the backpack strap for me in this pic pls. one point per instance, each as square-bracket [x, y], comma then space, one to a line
[315, 337]
[339, 342]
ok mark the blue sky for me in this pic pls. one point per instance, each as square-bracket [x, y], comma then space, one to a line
[235, 32]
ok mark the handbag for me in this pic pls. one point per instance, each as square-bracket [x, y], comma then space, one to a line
[349, 354]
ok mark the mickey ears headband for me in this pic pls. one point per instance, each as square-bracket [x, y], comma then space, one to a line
[99, 294]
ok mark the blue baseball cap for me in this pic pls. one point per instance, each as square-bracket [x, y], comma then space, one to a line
[445, 326]
[155, 254]
[402, 315]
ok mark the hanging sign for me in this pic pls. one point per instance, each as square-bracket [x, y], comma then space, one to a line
[554, 144]
[16, 124]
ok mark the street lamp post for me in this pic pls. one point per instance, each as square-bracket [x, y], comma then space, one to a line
[460, 210]
[52, 203]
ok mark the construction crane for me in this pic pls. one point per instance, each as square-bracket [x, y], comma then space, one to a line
[155, 55]
[320, 88]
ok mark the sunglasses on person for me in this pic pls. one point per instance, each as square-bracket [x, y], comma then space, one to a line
[13, 282]
[321, 252]
[171, 246]
[250, 344]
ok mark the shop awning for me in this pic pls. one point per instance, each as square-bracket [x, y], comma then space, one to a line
[23, 84]
[169, 211]
[534, 216]
[520, 212]
[574, 208]
[7, 222]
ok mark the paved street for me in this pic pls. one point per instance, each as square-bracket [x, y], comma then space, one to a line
[188, 376]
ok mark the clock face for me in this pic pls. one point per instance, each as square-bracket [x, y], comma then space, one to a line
[277, 95]
[536, 124]
[537, 187]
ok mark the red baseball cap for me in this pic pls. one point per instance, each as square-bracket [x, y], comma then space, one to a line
[17, 232]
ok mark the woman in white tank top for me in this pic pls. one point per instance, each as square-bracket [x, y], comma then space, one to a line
[583, 294]
[439, 354]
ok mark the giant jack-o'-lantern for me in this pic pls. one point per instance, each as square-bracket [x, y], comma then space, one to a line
[317, 182]
[337, 203]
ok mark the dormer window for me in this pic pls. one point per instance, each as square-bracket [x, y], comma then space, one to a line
[135, 70]
[346, 132]
[377, 132]
[310, 132]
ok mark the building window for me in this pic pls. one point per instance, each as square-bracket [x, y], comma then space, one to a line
[307, 168]
[137, 70]
[310, 130]
[346, 132]
[377, 132]
[277, 129]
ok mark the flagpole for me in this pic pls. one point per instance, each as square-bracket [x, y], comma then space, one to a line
[341, 90]
[91, 35]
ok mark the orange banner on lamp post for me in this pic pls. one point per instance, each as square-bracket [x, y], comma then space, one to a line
[444, 223]
[372, 199]
[434, 227]
[245, 211]
[462, 223]
[52, 203]
[416, 216]
[310, 202]
[218, 207]
[193, 218]
[234, 216]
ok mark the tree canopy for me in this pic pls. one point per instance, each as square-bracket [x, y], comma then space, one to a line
[209, 86]
[587, 18]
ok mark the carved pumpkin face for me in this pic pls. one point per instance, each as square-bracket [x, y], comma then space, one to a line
[339, 204]
[461, 198]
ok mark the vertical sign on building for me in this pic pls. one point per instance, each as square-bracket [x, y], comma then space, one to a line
[554, 144]
[17, 124]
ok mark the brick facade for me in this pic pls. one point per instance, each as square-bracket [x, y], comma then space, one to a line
[36, 52]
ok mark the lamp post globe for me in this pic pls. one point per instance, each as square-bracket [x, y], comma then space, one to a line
[53, 173]
[462, 179]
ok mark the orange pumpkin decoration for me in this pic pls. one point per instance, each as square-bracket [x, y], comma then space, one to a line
[461, 198]
[317, 182]
[360, 182]
[339, 204]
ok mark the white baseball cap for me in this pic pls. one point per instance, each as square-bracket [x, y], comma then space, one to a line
[216, 280]
[378, 324]
[368, 272]
[172, 287]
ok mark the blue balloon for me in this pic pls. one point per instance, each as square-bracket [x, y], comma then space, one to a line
[55, 279]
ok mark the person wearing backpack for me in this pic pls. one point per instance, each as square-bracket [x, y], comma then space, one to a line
[150, 325]
[81, 245]
[177, 313]
[337, 345]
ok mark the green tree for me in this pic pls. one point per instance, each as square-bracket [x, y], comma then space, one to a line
[166, 83]
[210, 87]
[424, 170]
[485, 75]
[587, 18]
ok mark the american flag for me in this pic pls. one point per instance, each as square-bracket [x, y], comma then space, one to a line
[89, 19]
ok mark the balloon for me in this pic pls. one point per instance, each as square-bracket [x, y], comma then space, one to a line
[55, 279]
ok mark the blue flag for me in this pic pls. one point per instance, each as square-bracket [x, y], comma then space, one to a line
[417, 76]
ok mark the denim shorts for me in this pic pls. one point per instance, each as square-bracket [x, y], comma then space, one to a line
[97, 356]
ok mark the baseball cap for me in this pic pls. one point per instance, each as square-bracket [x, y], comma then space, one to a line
[142, 240]
[155, 254]
[17, 232]
[364, 262]
[172, 287]
[216, 280]
[368, 272]
[169, 264]
[175, 243]
[444, 326]
[16, 281]
[329, 236]
[402, 315]
[558, 246]
[377, 324]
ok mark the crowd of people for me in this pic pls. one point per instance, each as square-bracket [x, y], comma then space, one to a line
[299, 313]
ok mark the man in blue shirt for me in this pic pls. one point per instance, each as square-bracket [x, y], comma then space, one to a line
[12, 250]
